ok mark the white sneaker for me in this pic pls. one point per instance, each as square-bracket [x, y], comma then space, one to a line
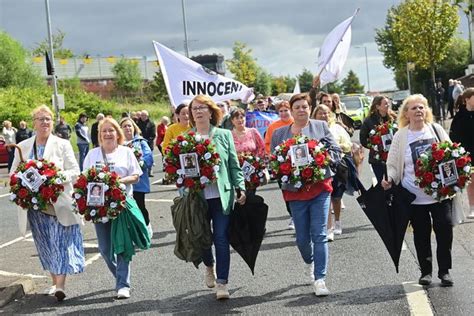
[50, 290]
[123, 293]
[320, 288]
[309, 272]
[221, 292]
[291, 225]
[342, 205]
[338, 228]
[150, 230]
[330, 235]
[471, 214]
[210, 277]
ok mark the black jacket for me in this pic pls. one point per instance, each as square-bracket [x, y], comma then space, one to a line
[148, 131]
[462, 129]
[22, 134]
[369, 124]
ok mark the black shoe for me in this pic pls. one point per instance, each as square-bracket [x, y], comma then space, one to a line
[446, 279]
[425, 279]
[151, 175]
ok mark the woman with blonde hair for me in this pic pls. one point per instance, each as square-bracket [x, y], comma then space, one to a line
[416, 134]
[55, 230]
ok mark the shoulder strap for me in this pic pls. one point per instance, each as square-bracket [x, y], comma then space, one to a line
[436, 132]
[104, 156]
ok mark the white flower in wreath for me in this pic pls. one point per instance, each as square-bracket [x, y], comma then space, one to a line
[207, 156]
[434, 185]
[39, 164]
[260, 174]
[284, 179]
[216, 168]
[93, 212]
[462, 151]
[122, 186]
[113, 204]
[12, 197]
[424, 156]
[296, 172]
[101, 175]
[58, 181]
[280, 159]
[310, 158]
[377, 156]
[318, 148]
[198, 137]
[456, 188]
[180, 172]
[179, 181]
[34, 200]
[104, 219]
[77, 196]
[35, 207]
[375, 147]
[395, 125]
[277, 148]
[204, 180]
[467, 169]
[455, 153]
[372, 132]
[106, 187]
[301, 140]
[434, 195]
[184, 143]
[298, 184]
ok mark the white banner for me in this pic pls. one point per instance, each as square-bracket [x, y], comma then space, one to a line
[334, 51]
[185, 78]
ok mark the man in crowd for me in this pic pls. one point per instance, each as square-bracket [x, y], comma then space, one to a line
[261, 105]
[23, 132]
[95, 130]
[148, 132]
[83, 140]
[63, 129]
[224, 107]
[450, 97]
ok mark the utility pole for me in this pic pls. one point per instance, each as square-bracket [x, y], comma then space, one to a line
[51, 56]
[186, 48]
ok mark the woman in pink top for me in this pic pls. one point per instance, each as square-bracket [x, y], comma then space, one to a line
[247, 140]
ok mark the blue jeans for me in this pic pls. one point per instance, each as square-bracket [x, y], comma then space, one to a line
[83, 150]
[310, 219]
[220, 229]
[119, 267]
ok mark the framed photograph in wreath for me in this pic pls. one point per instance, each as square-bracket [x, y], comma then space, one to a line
[299, 155]
[247, 170]
[387, 141]
[95, 194]
[32, 179]
[448, 172]
[189, 165]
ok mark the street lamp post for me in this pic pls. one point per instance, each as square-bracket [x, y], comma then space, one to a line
[51, 56]
[366, 65]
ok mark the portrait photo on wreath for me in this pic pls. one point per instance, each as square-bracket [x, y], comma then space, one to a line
[299, 155]
[387, 141]
[448, 172]
[32, 179]
[189, 164]
[95, 194]
[247, 170]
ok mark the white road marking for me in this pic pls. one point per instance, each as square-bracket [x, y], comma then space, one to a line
[159, 200]
[418, 301]
[4, 195]
[14, 241]
[92, 259]
[12, 274]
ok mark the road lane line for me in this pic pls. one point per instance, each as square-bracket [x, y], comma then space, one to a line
[14, 241]
[4, 195]
[159, 200]
[92, 259]
[418, 301]
[12, 274]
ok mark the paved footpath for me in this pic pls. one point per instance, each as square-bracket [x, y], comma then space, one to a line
[361, 276]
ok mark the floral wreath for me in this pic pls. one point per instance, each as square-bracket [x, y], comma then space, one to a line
[137, 152]
[114, 195]
[314, 171]
[429, 165]
[256, 165]
[45, 194]
[375, 142]
[207, 160]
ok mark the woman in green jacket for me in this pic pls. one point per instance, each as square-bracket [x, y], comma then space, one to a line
[204, 116]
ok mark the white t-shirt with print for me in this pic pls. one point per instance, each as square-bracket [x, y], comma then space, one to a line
[122, 161]
[417, 143]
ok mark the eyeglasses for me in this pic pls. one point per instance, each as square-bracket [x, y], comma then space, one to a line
[200, 109]
[44, 119]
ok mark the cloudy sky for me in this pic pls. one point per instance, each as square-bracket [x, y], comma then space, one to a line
[284, 35]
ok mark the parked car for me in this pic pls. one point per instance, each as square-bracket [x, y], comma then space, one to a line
[3, 153]
[398, 97]
[357, 107]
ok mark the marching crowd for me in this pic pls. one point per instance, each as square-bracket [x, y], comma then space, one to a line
[315, 208]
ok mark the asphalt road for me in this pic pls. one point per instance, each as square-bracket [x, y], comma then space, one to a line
[361, 276]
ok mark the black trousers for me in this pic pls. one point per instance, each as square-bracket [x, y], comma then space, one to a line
[286, 203]
[441, 214]
[140, 198]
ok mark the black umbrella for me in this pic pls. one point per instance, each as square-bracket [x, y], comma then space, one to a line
[247, 228]
[389, 211]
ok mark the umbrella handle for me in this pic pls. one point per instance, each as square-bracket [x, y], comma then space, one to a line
[19, 150]
[239, 192]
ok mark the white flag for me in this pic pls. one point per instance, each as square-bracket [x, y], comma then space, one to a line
[185, 78]
[297, 88]
[334, 51]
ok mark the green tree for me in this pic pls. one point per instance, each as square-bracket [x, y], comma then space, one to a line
[242, 65]
[279, 85]
[423, 31]
[263, 83]
[59, 50]
[351, 84]
[290, 83]
[156, 89]
[387, 44]
[128, 78]
[334, 87]
[14, 68]
[306, 80]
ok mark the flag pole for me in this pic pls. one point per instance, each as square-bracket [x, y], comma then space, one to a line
[53, 74]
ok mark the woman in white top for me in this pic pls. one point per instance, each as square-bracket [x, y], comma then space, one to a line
[416, 134]
[121, 160]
